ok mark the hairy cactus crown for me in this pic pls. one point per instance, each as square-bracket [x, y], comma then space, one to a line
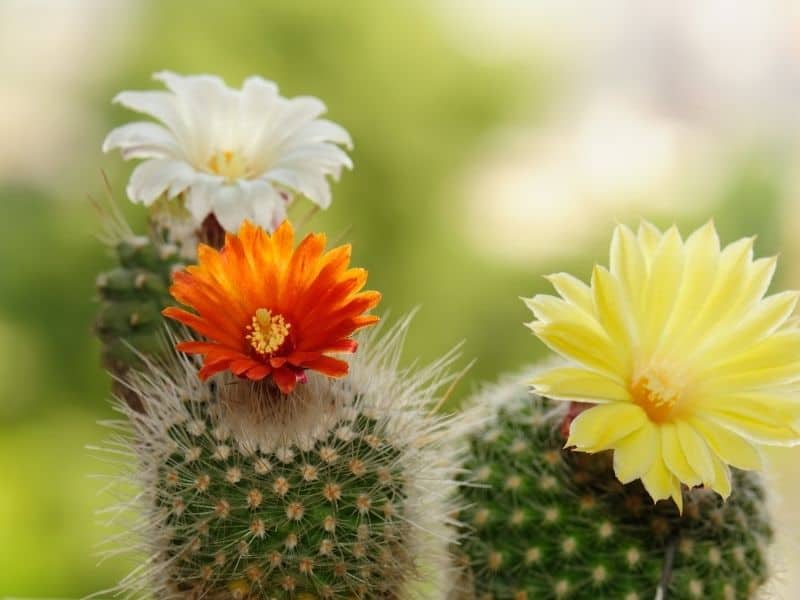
[342, 489]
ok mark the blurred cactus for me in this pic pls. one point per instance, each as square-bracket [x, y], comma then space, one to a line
[342, 489]
[544, 522]
[132, 295]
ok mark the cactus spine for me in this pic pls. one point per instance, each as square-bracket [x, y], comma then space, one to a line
[544, 522]
[343, 489]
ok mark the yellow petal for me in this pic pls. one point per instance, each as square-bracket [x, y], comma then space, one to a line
[771, 361]
[649, 238]
[582, 345]
[722, 479]
[662, 288]
[675, 457]
[551, 309]
[611, 307]
[574, 383]
[754, 427]
[659, 481]
[778, 407]
[696, 451]
[765, 318]
[702, 260]
[731, 448]
[728, 286]
[759, 276]
[573, 290]
[677, 497]
[628, 266]
[598, 428]
[634, 454]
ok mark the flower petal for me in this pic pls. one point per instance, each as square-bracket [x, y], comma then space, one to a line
[153, 178]
[229, 205]
[728, 446]
[635, 454]
[755, 427]
[659, 481]
[600, 427]
[268, 206]
[143, 139]
[574, 383]
[696, 451]
[661, 288]
[573, 290]
[612, 309]
[583, 345]
[675, 457]
[722, 479]
[628, 266]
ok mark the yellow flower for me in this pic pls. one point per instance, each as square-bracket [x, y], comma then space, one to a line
[687, 363]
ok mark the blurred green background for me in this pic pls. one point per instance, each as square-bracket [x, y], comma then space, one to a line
[494, 143]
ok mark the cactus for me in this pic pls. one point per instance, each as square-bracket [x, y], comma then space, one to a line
[132, 295]
[343, 489]
[544, 522]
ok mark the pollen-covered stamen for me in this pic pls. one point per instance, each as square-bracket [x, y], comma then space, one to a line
[229, 164]
[657, 393]
[267, 332]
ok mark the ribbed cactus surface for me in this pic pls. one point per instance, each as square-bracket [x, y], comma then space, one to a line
[544, 522]
[325, 519]
[343, 489]
[132, 295]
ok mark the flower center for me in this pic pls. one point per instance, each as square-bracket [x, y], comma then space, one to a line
[229, 164]
[267, 331]
[657, 393]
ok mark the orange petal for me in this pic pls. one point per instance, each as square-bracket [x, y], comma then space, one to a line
[285, 378]
[212, 368]
[259, 372]
[201, 326]
[242, 365]
[332, 367]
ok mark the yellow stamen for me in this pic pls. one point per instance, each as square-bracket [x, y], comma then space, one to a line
[229, 164]
[657, 393]
[267, 331]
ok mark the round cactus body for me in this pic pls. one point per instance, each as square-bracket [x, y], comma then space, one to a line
[544, 522]
[342, 489]
[324, 519]
[132, 295]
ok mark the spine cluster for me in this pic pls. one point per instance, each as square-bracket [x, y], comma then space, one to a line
[354, 501]
[544, 522]
[132, 295]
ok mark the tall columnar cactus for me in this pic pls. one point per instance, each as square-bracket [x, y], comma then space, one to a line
[545, 522]
[342, 489]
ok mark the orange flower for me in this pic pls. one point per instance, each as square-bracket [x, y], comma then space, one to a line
[267, 309]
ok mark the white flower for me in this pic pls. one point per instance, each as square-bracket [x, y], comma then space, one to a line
[239, 154]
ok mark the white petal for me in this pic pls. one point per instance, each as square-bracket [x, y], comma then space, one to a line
[309, 183]
[198, 200]
[187, 85]
[230, 206]
[207, 109]
[291, 115]
[267, 206]
[157, 104]
[184, 179]
[152, 178]
[142, 139]
[322, 130]
[324, 157]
